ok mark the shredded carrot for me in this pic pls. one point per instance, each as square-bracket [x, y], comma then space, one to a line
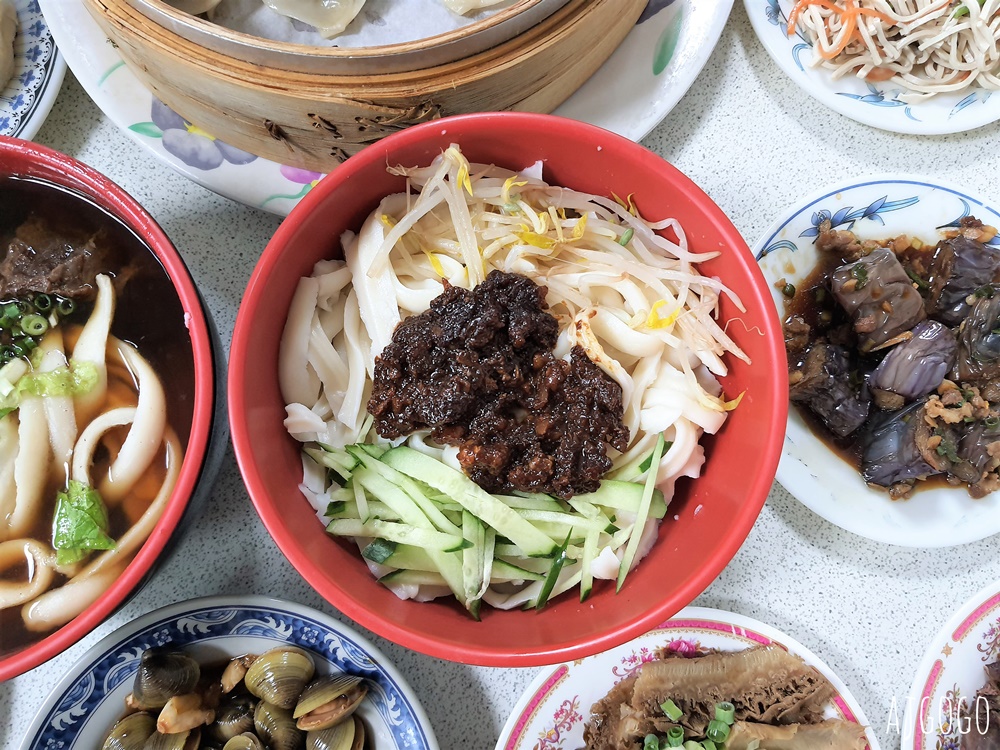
[848, 18]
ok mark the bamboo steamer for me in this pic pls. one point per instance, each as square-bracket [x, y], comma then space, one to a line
[315, 120]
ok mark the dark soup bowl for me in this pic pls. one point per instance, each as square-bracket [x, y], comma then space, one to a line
[112, 421]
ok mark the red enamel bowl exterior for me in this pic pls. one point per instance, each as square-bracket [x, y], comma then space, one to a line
[27, 159]
[713, 514]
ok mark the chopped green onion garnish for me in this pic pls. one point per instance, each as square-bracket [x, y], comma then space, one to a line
[692, 745]
[671, 710]
[718, 731]
[42, 303]
[860, 273]
[34, 325]
[651, 742]
[66, 306]
[726, 712]
[992, 421]
[626, 236]
[708, 745]
[788, 290]
[675, 737]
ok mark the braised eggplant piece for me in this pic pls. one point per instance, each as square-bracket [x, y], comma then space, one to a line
[821, 381]
[979, 337]
[916, 367]
[889, 451]
[958, 268]
[880, 298]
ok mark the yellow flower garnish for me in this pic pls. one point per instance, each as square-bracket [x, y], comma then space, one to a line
[655, 321]
[536, 240]
[730, 405]
[435, 263]
[511, 182]
[463, 168]
[628, 206]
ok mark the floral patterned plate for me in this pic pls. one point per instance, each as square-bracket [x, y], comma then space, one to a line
[875, 104]
[88, 700]
[649, 73]
[873, 208]
[551, 713]
[26, 99]
[942, 706]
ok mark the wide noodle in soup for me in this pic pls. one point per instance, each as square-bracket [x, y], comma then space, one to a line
[96, 390]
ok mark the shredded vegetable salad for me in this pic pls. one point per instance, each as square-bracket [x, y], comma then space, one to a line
[631, 298]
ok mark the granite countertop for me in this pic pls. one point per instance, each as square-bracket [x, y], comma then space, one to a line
[754, 142]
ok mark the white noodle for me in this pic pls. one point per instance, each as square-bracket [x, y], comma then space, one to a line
[144, 437]
[92, 347]
[31, 468]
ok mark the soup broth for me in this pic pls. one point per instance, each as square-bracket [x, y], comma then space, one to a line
[148, 316]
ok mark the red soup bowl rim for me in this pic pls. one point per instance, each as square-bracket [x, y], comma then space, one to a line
[440, 132]
[26, 159]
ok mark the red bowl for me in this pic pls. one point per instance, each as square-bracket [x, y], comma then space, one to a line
[205, 442]
[715, 513]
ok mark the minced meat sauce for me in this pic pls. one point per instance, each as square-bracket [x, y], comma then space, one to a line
[478, 369]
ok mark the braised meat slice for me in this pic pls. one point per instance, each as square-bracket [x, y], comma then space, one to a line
[984, 734]
[40, 260]
[766, 685]
[880, 298]
[833, 734]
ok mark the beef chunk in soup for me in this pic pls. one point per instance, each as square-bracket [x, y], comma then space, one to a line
[40, 260]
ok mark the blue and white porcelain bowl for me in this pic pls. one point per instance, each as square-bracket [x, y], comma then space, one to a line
[873, 208]
[88, 701]
[875, 104]
[26, 99]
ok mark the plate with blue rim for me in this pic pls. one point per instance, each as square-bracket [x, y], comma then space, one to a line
[91, 697]
[876, 104]
[874, 208]
[39, 69]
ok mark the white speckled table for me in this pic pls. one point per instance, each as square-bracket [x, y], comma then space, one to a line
[754, 142]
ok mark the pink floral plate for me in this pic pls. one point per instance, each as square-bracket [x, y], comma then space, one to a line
[942, 705]
[552, 712]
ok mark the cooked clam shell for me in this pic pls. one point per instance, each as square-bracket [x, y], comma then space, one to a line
[163, 674]
[244, 741]
[234, 717]
[276, 727]
[329, 700]
[348, 735]
[179, 741]
[279, 675]
[130, 732]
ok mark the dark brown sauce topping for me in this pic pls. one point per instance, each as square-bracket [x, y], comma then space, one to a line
[477, 369]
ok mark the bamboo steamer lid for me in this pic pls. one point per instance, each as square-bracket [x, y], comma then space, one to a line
[316, 120]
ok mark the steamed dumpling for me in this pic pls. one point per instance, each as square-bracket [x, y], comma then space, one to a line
[330, 17]
[464, 6]
[8, 29]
